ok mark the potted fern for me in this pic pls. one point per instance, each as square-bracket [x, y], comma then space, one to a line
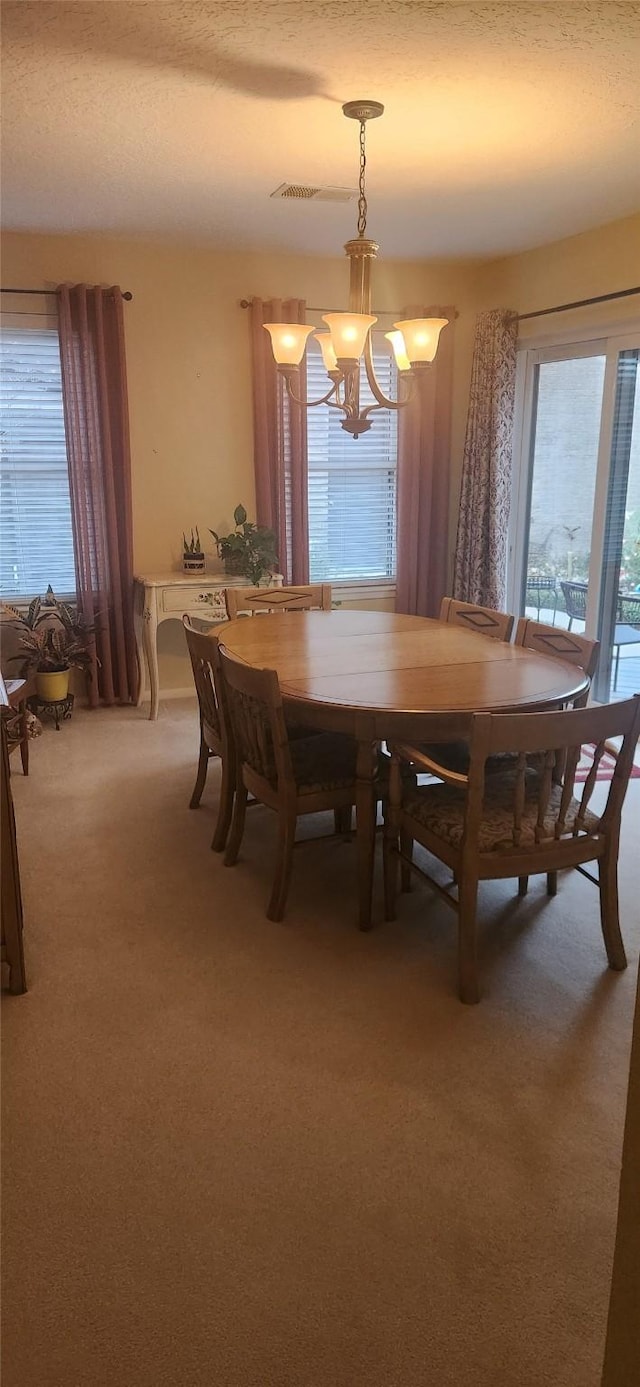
[249, 551]
[53, 639]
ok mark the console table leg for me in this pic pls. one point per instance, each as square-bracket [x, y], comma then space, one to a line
[151, 650]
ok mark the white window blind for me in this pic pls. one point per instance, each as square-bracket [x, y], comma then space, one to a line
[352, 482]
[36, 542]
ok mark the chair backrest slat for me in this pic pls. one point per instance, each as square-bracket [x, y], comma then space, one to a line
[519, 798]
[589, 785]
[571, 762]
[544, 793]
[472, 617]
[313, 596]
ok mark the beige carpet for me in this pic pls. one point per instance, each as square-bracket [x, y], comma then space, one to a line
[242, 1153]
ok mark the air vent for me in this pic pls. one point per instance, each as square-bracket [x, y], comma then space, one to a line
[303, 191]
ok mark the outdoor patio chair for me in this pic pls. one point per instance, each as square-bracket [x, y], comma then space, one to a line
[627, 627]
[542, 594]
[627, 630]
[575, 600]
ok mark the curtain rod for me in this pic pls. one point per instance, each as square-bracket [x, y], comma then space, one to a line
[579, 303]
[381, 312]
[126, 293]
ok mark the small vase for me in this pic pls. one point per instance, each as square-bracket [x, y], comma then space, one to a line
[193, 563]
[52, 685]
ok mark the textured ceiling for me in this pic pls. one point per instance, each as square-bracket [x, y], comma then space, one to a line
[506, 125]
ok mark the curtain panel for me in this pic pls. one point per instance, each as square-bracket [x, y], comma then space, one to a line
[424, 439]
[485, 496]
[97, 431]
[280, 443]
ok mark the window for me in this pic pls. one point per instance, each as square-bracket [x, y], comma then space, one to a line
[36, 542]
[352, 482]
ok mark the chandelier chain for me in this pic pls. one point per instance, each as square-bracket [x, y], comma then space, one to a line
[362, 201]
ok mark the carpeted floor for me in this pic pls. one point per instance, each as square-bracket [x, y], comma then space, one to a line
[245, 1154]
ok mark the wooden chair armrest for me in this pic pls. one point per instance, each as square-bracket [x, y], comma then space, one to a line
[404, 752]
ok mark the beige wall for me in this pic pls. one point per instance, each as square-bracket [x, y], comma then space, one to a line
[188, 352]
[188, 365]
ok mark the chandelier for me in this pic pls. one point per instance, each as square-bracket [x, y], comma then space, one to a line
[348, 341]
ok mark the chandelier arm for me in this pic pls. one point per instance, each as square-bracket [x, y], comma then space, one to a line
[311, 404]
[382, 401]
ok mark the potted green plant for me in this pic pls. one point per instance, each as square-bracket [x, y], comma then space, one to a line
[192, 555]
[249, 551]
[53, 639]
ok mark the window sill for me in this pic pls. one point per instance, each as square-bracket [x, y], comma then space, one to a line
[364, 590]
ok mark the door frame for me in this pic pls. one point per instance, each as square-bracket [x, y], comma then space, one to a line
[605, 340]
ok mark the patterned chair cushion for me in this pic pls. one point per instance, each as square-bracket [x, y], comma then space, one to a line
[440, 808]
[327, 761]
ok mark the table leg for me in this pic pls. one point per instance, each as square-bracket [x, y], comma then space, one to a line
[151, 650]
[365, 827]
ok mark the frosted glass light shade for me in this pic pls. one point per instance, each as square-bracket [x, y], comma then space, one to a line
[348, 332]
[326, 347]
[421, 338]
[399, 350]
[288, 341]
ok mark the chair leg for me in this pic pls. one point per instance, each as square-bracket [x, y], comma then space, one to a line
[467, 940]
[390, 868]
[406, 851]
[286, 840]
[552, 883]
[237, 824]
[203, 762]
[609, 912]
[225, 805]
[523, 886]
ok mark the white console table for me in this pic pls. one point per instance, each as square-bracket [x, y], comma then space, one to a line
[165, 596]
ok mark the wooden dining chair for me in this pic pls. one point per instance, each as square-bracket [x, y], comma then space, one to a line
[487, 622]
[520, 822]
[293, 776]
[560, 645]
[215, 738]
[472, 617]
[315, 596]
[544, 640]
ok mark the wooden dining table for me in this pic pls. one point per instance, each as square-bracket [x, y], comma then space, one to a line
[375, 674]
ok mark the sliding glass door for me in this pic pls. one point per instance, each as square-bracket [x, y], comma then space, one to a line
[575, 552]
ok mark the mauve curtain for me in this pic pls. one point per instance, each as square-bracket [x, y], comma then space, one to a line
[485, 496]
[424, 433]
[280, 443]
[97, 430]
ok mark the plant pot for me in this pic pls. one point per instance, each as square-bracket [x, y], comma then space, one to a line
[234, 566]
[193, 563]
[52, 685]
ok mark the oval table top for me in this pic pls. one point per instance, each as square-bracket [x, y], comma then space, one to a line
[381, 661]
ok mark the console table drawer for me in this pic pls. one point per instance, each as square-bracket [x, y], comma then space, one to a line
[194, 599]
